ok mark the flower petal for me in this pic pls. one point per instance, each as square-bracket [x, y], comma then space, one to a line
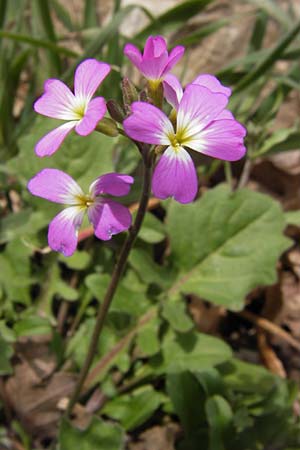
[175, 55]
[133, 53]
[226, 114]
[153, 68]
[63, 229]
[109, 218]
[148, 124]
[88, 76]
[221, 139]
[56, 102]
[175, 176]
[94, 113]
[51, 142]
[197, 108]
[155, 47]
[173, 90]
[56, 186]
[115, 184]
[212, 83]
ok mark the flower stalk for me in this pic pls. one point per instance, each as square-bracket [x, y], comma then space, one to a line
[115, 278]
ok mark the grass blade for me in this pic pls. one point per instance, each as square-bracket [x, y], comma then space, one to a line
[25, 39]
[46, 21]
[268, 61]
[173, 17]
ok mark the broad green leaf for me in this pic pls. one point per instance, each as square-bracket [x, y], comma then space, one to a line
[78, 261]
[6, 352]
[153, 230]
[147, 338]
[135, 408]
[84, 158]
[292, 218]
[226, 244]
[125, 300]
[175, 313]
[31, 326]
[99, 435]
[193, 351]
[15, 278]
[149, 271]
[21, 224]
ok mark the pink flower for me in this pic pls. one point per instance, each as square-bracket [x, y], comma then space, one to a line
[202, 124]
[78, 109]
[107, 216]
[155, 62]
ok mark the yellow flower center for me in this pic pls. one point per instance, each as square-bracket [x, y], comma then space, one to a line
[178, 139]
[84, 201]
[80, 109]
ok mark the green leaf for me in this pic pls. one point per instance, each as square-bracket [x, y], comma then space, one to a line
[78, 261]
[99, 435]
[175, 313]
[226, 244]
[147, 339]
[21, 224]
[292, 218]
[6, 352]
[84, 158]
[193, 351]
[148, 270]
[153, 230]
[188, 399]
[135, 408]
[219, 417]
[125, 300]
[15, 277]
[32, 326]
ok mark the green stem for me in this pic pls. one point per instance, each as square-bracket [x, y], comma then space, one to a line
[228, 174]
[115, 278]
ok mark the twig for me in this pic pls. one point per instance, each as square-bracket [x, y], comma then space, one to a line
[272, 328]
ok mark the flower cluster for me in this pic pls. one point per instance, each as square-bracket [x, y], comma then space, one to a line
[198, 121]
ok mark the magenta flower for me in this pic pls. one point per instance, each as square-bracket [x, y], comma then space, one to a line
[107, 216]
[78, 109]
[155, 62]
[202, 124]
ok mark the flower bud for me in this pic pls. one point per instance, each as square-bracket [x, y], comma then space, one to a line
[108, 127]
[130, 94]
[116, 111]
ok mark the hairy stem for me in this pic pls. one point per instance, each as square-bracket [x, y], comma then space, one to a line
[115, 278]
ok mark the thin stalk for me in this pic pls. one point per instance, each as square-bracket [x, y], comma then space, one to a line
[115, 278]
[228, 174]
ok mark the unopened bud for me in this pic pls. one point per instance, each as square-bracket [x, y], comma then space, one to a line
[108, 127]
[130, 94]
[116, 111]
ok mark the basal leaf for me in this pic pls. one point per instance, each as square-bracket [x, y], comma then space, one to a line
[226, 244]
[193, 351]
[99, 434]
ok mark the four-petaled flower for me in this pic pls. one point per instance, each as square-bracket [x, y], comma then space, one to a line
[107, 216]
[155, 62]
[202, 124]
[78, 109]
